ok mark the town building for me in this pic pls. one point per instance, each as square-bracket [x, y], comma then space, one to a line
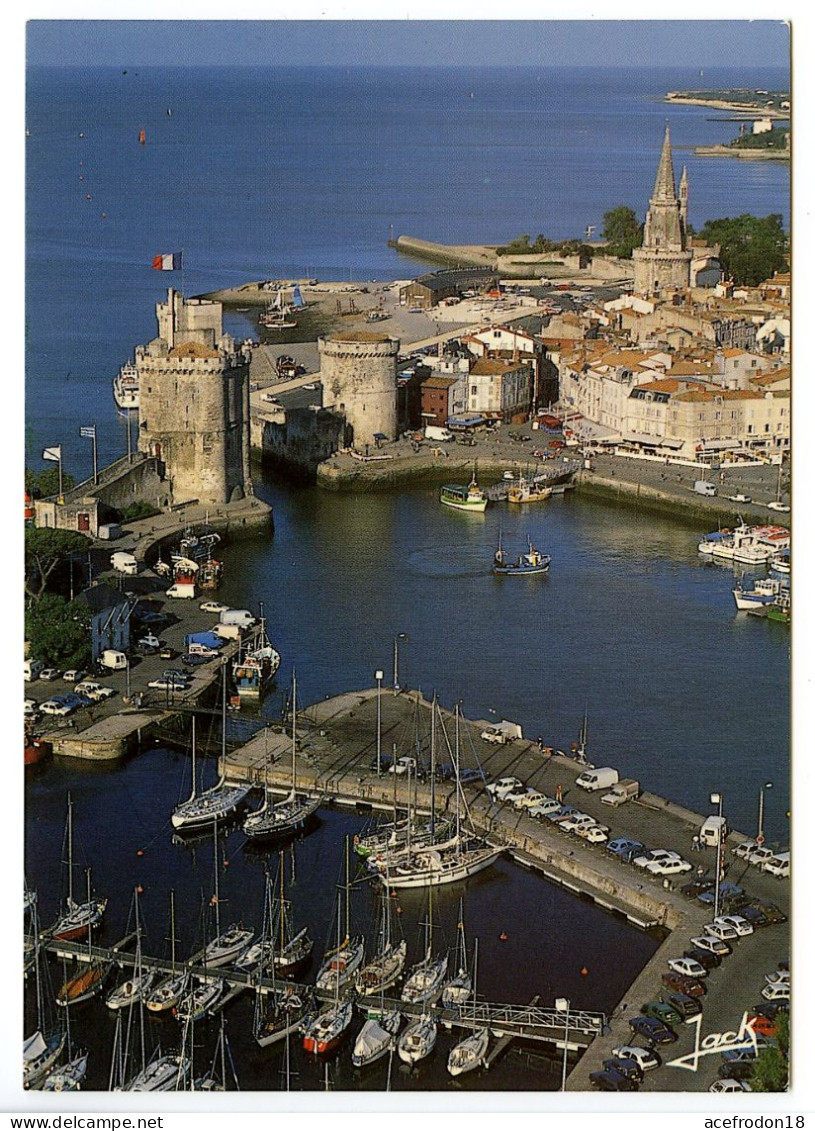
[194, 402]
[110, 618]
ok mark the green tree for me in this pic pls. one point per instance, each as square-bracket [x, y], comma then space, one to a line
[752, 248]
[59, 631]
[45, 549]
[772, 1070]
[44, 484]
[622, 230]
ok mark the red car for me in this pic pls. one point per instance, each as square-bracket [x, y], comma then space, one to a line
[682, 984]
[762, 1025]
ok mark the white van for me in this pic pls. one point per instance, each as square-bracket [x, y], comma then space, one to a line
[32, 669]
[713, 831]
[124, 563]
[116, 661]
[241, 617]
[778, 865]
[181, 591]
[592, 780]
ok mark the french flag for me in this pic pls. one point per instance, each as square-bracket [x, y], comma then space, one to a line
[170, 262]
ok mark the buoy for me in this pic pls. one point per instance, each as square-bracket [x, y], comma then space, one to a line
[584, 972]
[140, 889]
[140, 852]
[503, 936]
[88, 196]
[398, 909]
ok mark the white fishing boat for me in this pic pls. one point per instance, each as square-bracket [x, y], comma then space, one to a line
[470, 498]
[762, 592]
[418, 1040]
[376, 1038]
[283, 818]
[126, 387]
[256, 665]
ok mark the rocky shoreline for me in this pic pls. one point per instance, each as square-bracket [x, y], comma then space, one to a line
[745, 154]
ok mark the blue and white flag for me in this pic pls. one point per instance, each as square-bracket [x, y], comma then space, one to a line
[54, 454]
[88, 432]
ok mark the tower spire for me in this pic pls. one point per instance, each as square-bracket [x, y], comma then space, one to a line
[665, 184]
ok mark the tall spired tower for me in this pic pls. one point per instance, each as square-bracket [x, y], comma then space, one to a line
[663, 261]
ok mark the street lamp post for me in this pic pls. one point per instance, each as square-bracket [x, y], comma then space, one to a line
[760, 834]
[716, 799]
[562, 1006]
[399, 636]
[379, 678]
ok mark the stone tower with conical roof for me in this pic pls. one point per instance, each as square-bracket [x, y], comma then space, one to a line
[663, 261]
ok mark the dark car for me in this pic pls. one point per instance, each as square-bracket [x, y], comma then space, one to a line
[704, 957]
[727, 891]
[655, 1031]
[193, 661]
[663, 1011]
[696, 887]
[770, 1009]
[168, 653]
[467, 776]
[75, 700]
[682, 984]
[684, 1004]
[770, 912]
[620, 844]
[609, 1080]
[752, 914]
[385, 762]
[625, 1066]
[628, 854]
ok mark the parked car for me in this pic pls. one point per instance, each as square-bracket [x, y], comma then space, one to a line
[646, 1058]
[778, 866]
[656, 1031]
[494, 735]
[594, 834]
[704, 957]
[499, 789]
[684, 984]
[213, 607]
[737, 1070]
[771, 913]
[625, 1066]
[741, 926]
[402, 766]
[529, 799]
[721, 930]
[687, 966]
[662, 1011]
[711, 943]
[696, 887]
[654, 855]
[728, 893]
[163, 684]
[743, 850]
[668, 867]
[740, 498]
[776, 506]
[753, 916]
[168, 653]
[684, 1004]
[776, 991]
[609, 1080]
[469, 775]
[31, 707]
[620, 844]
[56, 707]
[149, 644]
[194, 659]
[760, 856]
[562, 814]
[761, 1024]
[544, 809]
[74, 675]
[573, 823]
[48, 674]
[727, 1086]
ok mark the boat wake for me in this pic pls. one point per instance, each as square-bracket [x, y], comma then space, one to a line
[451, 561]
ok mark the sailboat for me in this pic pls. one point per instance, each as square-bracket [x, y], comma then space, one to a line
[460, 986]
[377, 1037]
[418, 1040]
[341, 963]
[425, 979]
[77, 918]
[462, 856]
[44, 1047]
[282, 818]
[69, 1076]
[165, 1072]
[166, 994]
[216, 803]
[387, 965]
[135, 987]
[471, 1052]
[291, 951]
[215, 1079]
[90, 981]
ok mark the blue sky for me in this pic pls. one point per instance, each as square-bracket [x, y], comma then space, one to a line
[409, 42]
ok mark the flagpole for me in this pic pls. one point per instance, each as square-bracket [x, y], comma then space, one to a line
[129, 440]
[59, 465]
[95, 461]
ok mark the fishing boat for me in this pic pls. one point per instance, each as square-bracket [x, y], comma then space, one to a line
[782, 563]
[126, 387]
[165, 995]
[216, 803]
[460, 987]
[781, 608]
[524, 490]
[376, 1038]
[762, 592]
[418, 1040]
[532, 562]
[752, 545]
[283, 818]
[77, 919]
[325, 1032]
[470, 498]
[256, 668]
[197, 547]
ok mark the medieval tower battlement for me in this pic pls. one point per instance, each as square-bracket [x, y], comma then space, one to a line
[194, 401]
[358, 373]
[663, 261]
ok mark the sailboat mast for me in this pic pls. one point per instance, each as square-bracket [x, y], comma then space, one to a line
[192, 794]
[433, 709]
[458, 777]
[293, 730]
[217, 889]
[70, 852]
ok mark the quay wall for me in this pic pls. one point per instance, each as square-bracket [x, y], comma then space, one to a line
[299, 440]
[652, 498]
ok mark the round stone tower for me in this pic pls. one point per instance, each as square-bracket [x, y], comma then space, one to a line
[358, 372]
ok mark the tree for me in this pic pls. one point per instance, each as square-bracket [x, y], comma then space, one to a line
[622, 231]
[752, 248]
[771, 1073]
[45, 549]
[59, 632]
[44, 484]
